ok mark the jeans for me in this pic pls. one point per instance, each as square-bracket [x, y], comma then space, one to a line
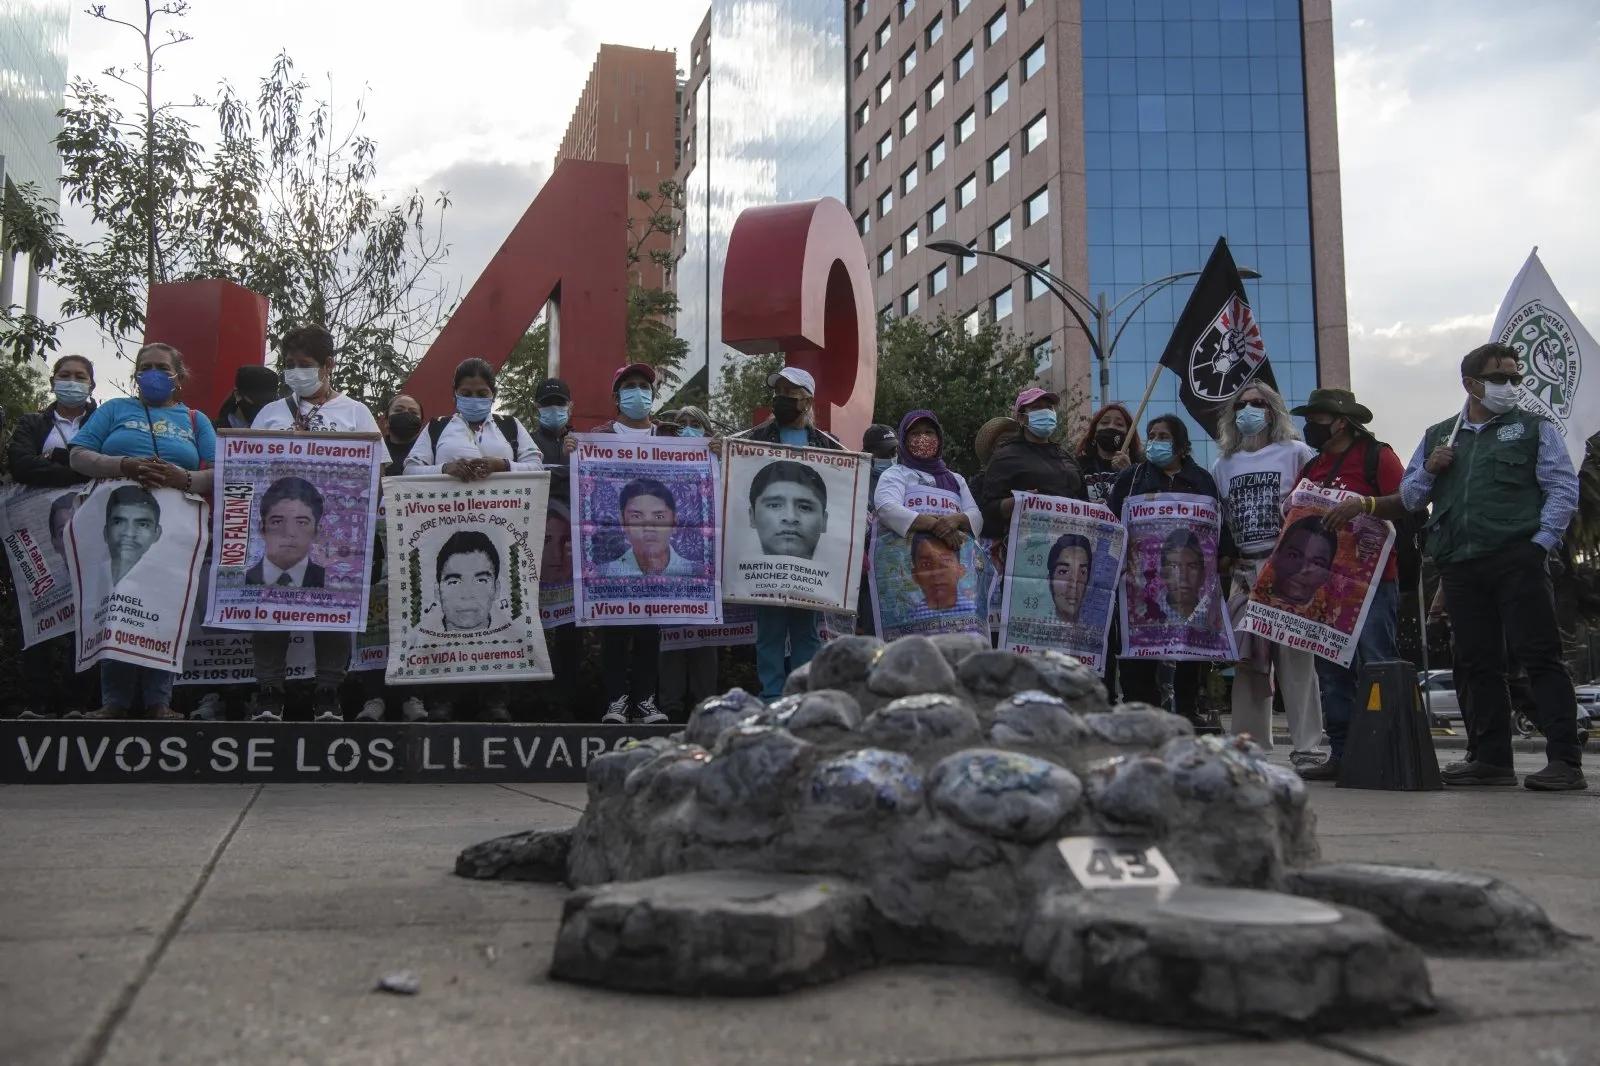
[687, 677]
[50, 681]
[1505, 603]
[783, 633]
[630, 659]
[333, 657]
[1375, 643]
[121, 684]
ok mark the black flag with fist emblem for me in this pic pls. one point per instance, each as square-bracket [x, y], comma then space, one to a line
[1216, 348]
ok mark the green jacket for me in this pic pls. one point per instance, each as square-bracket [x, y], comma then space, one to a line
[1490, 497]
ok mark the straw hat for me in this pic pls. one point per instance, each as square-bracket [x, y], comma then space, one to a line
[989, 435]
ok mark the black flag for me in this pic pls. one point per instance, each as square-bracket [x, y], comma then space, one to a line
[1216, 347]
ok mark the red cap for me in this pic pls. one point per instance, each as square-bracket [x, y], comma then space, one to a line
[1027, 396]
[644, 370]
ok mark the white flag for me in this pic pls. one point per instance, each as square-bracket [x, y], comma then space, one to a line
[1560, 360]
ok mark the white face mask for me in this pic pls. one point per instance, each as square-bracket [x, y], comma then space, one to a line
[1499, 398]
[304, 380]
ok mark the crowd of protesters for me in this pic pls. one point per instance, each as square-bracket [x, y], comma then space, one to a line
[1501, 487]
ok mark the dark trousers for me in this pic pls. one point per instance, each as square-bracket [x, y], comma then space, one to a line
[1506, 602]
[1141, 682]
[565, 644]
[630, 658]
[687, 677]
[49, 681]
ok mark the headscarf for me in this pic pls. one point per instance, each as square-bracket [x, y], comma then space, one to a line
[943, 476]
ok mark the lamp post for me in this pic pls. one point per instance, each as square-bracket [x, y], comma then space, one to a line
[1098, 309]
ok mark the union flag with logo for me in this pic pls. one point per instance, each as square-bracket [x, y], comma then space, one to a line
[1216, 348]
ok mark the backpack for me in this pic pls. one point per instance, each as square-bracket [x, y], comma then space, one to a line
[507, 424]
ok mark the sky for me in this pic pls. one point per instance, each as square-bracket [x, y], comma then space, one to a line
[1469, 132]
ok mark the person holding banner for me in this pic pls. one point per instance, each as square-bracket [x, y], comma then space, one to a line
[1101, 455]
[401, 423]
[1261, 456]
[1029, 462]
[155, 441]
[556, 608]
[37, 457]
[688, 675]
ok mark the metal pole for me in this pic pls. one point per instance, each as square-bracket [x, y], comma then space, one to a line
[1102, 315]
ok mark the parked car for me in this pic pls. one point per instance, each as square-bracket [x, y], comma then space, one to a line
[1440, 687]
[1439, 694]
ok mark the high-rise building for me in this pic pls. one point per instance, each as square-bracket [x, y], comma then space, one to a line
[33, 82]
[628, 114]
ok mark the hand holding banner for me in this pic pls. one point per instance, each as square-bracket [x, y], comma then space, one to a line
[1172, 599]
[33, 525]
[921, 585]
[1062, 568]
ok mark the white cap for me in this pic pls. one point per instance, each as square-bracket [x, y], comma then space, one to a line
[795, 376]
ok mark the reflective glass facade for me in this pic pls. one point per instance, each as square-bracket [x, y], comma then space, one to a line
[33, 78]
[1195, 128]
[771, 121]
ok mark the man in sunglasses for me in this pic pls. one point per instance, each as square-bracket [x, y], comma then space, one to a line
[1503, 490]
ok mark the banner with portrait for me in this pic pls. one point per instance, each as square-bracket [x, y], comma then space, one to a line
[1062, 571]
[1314, 590]
[646, 527]
[920, 583]
[135, 556]
[1173, 602]
[556, 607]
[33, 528]
[738, 628]
[794, 525]
[463, 561]
[990, 584]
[371, 650]
[216, 657]
[293, 530]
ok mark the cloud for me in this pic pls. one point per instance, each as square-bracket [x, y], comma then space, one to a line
[486, 200]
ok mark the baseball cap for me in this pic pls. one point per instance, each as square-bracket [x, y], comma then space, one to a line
[258, 384]
[795, 376]
[1027, 396]
[877, 436]
[552, 389]
[644, 370]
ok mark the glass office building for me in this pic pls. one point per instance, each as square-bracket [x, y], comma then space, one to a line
[33, 79]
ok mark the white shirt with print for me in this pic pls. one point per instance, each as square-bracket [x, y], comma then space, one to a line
[338, 414]
[1253, 487]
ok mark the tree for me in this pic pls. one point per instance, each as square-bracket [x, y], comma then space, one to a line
[651, 337]
[28, 226]
[744, 388]
[22, 390]
[524, 369]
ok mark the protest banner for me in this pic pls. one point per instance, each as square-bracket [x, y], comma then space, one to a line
[1173, 604]
[556, 607]
[990, 585]
[920, 584]
[833, 624]
[292, 530]
[738, 628]
[1061, 577]
[463, 562]
[371, 650]
[794, 525]
[33, 525]
[135, 557]
[1315, 589]
[215, 657]
[647, 538]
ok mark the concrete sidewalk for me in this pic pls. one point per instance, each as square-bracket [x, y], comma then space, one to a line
[201, 924]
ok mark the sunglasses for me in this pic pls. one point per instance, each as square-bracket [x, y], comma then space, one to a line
[1501, 379]
[1242, 404]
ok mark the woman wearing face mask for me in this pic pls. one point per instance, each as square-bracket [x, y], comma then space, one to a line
[121, 440]
[921, 465]
[1100, 454]
[1029, 462]
[37, 457]
[402, 423]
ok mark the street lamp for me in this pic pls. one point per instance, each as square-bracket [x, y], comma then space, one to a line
[1097, 309]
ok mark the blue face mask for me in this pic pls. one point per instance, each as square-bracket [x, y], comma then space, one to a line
[474, 409]
[71, 393]
[1250, 420]
[691, 431]
[553, 418]
[155, 386]
[634, 402]
[1159, 452]
[880, 465]
[1041, 423]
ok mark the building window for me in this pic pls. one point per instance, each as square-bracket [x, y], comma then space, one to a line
[886, 261]
[936, 154]
[1000, 305]
[861, 11]
[964, 63]
[997, 95]
[863, 169]
[1023, 5]
[1033, 62]
[936, 91]
[1037, 207]
[1034, 134]
[906, 8]
[910, 300]
[966, 126]
[996, 28]
[961, 5]
[908, 121]
[1036, 287]
[1044, 356]
[908, 241]
[863, 57]
[863, 113]
[908, 181]
[1000, 234]
[936, 30]
[972, 324]
[908, 62]
[885, 87]
[939, 280]
[696, 63]
[881, 38]
[864, 223]
[885, 202]
[967, 263]
[967, 192]
[937, 217]
[1000, 164]
[885, 144]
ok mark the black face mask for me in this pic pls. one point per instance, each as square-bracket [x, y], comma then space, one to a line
[403, 425]
[785, 409]
[247, 410]
[1108, 440]
[1318, 435]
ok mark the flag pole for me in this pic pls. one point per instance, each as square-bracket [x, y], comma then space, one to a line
[1150, 389]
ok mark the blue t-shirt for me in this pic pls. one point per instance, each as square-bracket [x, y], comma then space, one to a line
[797, 438]
[120, 427]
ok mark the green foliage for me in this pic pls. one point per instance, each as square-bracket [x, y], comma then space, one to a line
[518, 380]
[743, 388]
[651, 337]
[23, 389]
[29, 226]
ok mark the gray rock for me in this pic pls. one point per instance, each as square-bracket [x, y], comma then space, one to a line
[1440, 910]
[747, 782]
[717, 932]
[955, 647]
[844, 661]
[1004, 794]
[708, 721]
[536, 855]
[1135, 725]
[826, 712]
[997, 674]
[798, 681]
[668, 777]
[1250, 962]
[916, 723]
[909, 666]
[608, 773]
[866, 784]
[1037, 718]
[1067, 677]
[1133, 792]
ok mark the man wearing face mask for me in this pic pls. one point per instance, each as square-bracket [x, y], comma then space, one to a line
[553, 434]
[253, 388]
[1503, 491]
[402, 423]
[1029, 462]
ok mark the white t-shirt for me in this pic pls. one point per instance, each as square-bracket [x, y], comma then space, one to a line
[889, 502]
[1253, 486]
[628, 431]
[338, 414]
[459, 441]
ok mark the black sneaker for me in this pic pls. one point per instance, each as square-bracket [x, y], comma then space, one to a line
[1323, 771]
[442, 712]
[35, 714]
[325, 705]
[497, 712]
[1557, 777]
[647, 713]
[1478, 773]
[269, 705]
